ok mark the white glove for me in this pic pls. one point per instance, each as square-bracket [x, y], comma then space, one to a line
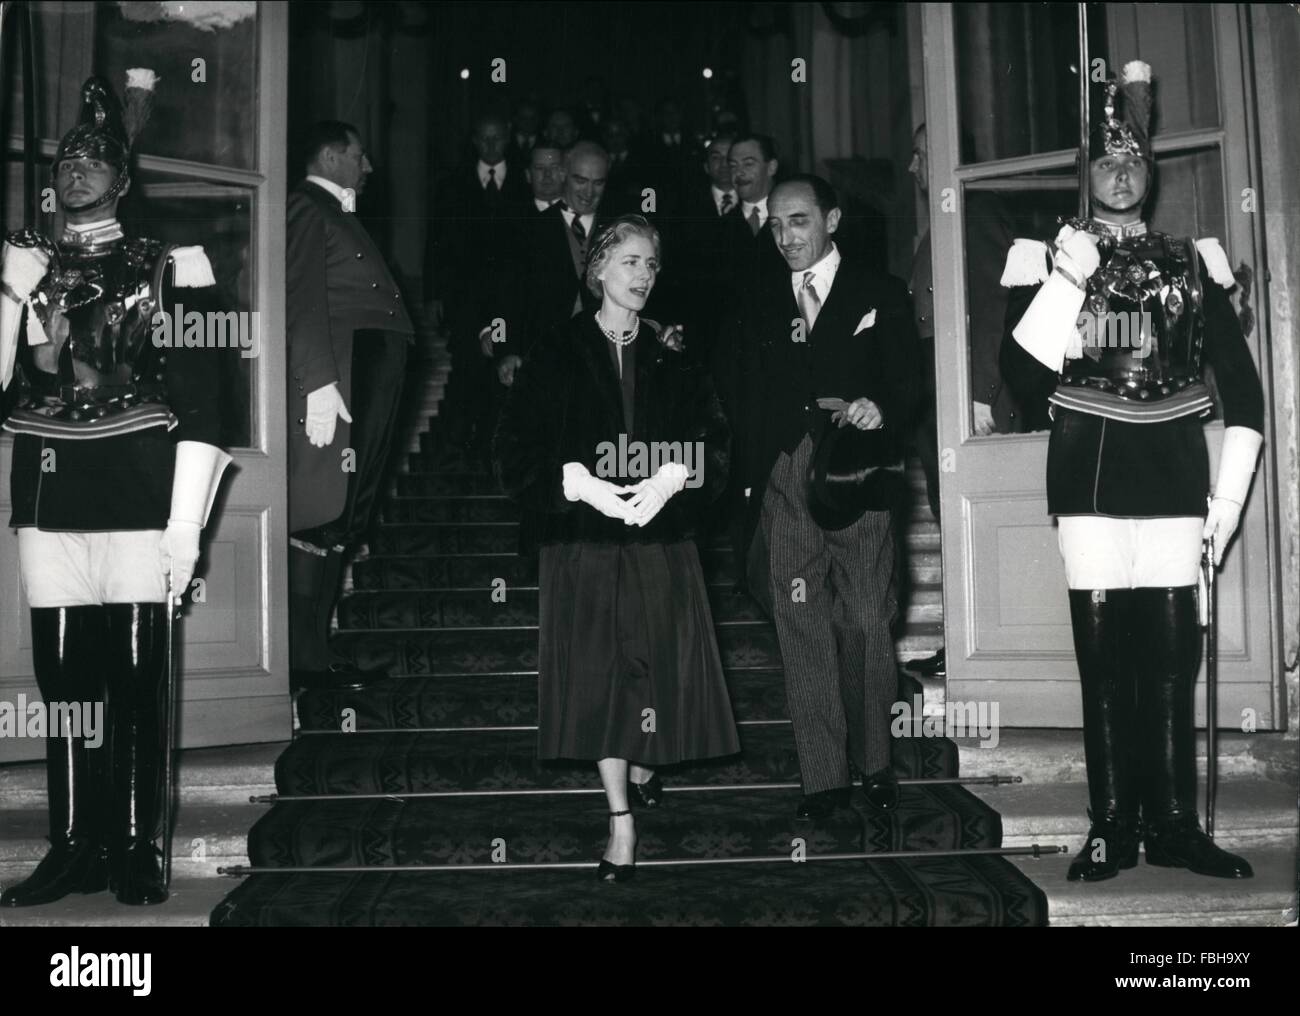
[1079, 248]
[1236, 470]
[580, 485]
[21, 268]
[506, 369]
[324, 407]
[179, 549]
[653, 494]
[195, 480]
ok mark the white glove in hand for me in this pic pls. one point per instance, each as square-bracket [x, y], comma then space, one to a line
[324, 407]
[1236, 470]
[580, 485]
[653, 494]
[179, 549]
[21, 268]
[1079, 247]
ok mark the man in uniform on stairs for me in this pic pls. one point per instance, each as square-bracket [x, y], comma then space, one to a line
[115, 468]
[348, 337]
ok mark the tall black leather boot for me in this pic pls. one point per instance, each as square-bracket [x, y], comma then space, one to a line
[137, 690]
[1100, 621]
[1169, 640]
[65, 643]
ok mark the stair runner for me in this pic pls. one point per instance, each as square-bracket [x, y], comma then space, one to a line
[503, 839]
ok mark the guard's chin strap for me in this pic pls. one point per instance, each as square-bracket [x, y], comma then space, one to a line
[123, 178]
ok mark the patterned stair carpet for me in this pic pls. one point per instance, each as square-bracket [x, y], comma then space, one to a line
[436, 768]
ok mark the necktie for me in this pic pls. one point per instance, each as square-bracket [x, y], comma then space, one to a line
[754, 224]
[809, 302]
[579, 230]
[492, 190]
[726, 204]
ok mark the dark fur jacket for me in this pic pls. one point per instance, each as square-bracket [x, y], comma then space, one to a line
[566, 405]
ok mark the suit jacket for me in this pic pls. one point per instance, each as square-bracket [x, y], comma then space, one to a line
[539, 291]
[843, 356]
[338, 284]
[471, 239]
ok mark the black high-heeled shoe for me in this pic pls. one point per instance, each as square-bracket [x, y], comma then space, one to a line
[648, 794]
[608, 871]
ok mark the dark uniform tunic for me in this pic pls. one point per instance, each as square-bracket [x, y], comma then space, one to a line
[1127, 442]
[102, 401]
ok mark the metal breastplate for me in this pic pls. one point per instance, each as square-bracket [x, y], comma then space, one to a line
[1142, 323]
[95, 307]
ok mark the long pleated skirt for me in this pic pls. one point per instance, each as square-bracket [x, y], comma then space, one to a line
[628, 662]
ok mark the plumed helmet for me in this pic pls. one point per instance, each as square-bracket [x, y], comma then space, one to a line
[106, 131]
[1124, 127]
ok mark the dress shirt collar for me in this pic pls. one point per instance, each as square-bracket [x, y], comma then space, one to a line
[748, 206]
[483, 168]
[718, 192]
[342, 193]
[823, 273]
[568, 213]
[544, 203]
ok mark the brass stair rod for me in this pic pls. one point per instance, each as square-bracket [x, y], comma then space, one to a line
[541, 791]
[1034, 850]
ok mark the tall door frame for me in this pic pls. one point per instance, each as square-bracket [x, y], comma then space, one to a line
[1005, 615]
[233, 647]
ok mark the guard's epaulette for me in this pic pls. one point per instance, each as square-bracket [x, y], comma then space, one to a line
[1216, 261]
[1026, 263]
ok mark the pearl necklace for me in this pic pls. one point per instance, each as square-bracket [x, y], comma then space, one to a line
[627, 338]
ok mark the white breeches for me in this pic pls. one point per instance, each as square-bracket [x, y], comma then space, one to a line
[1109, 553]
[83, 569]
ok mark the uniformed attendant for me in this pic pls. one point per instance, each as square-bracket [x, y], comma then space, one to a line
[115, 467]
[348, 337]
[1115, 327]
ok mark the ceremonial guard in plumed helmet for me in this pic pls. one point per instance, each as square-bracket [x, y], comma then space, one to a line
[1115, 326]
[115, 467]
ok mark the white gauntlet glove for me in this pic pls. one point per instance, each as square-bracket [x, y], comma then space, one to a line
[21, 269]
[195, 480]
[324, 407]
[1236, 470]
[1079, 250]
[653, 494]
[1048, 328]
[580, 485]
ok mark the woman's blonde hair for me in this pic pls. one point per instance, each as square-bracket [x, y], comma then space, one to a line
[605, 242]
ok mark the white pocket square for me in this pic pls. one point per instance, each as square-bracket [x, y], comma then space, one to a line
[868, 321]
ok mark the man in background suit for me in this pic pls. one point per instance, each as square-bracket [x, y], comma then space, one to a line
[544, 288]
[833, 329]
[348, 333]
[545, 175]
[477, 209]
[751, 255]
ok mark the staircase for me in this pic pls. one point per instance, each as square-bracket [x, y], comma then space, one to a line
[439, 771]
[435, 768]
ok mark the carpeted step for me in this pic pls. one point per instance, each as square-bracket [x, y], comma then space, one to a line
[497, 760]
[426, 540]
[479, 571]
[515, 607]
[496, 700]
[536, 829]
[936, 892]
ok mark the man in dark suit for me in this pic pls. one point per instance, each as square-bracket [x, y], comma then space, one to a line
[626, 174]
[348, 332]
[545, 175]
[832, 329]
[751, 255]
[544, 288]
[561, 129]
[477, 209]
[525, 134]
